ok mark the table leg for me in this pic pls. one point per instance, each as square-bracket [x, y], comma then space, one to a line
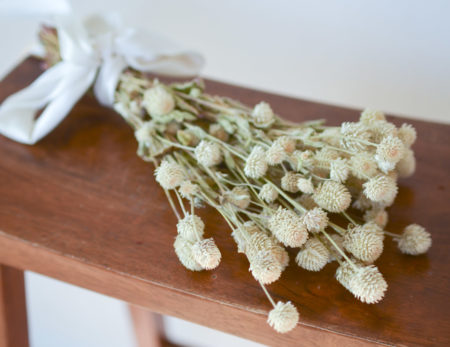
[149, 328]
[13, 311]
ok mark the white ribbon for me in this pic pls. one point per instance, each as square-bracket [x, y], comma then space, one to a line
[93, 52]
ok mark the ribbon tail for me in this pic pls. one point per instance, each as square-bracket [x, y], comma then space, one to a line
[57, 89]
[107, 80]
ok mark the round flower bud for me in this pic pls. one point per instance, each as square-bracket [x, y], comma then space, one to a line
[369, 116]
[332, 196]
[206, 253]
[188, 189]
[305, 185]
[313, 256]
[353, 133]
[288, 227]
[284, 317]
[256, 165]
[208, 153]
[389, 150]
[407, 165]
[268, 193]
[345, 272]
[363, 165]
[262, 115]
[380, 189]
[376, 215]
[407, 134]
[289, 182]
[183, 250]
[364, 245]
[382, 129]
[191, 227]
[265, 267]
[239, 197]
[315, 220]
[169, 174]
[275, 154]
[339, 170]
[414, 240]
[287, 143]
[158, 101]
[368, 285]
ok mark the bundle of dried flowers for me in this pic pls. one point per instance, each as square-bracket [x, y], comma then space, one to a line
[277, 184]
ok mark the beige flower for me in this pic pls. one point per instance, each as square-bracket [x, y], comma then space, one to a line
[339, 170]
[256, 165]
[315, 220]
[284, 317]
[183, 250]
[206, 253]
[287, 143]
[265, 267]
[414, 240]
[191, 227]
[363, 244]
[275, 154]
[188, 190]
[158, 101]
[289, 182]
[332, 196]
[407, 165]
[262, 115]
[313, 256]
[305, 185]
[368, 285]
[288, 227]
[369, 116]
[208, 153]
[380, 189]
[363, 165]
[169, 174]
[390, 150]
[354, 135]
[407, 134]
[268, 193]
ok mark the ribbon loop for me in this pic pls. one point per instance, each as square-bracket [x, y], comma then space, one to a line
[95, 51]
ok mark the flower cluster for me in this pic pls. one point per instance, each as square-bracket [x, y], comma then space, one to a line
[276, 184]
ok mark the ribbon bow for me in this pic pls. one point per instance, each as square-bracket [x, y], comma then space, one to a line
[93, 52]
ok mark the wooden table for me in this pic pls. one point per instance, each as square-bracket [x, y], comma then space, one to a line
[81, 207]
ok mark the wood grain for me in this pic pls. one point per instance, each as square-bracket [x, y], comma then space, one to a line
[13, 311]
[81, 207]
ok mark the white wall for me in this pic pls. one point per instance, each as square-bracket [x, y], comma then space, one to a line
[393, 55]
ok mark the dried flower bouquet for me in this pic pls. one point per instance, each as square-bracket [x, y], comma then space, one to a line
[276, 183]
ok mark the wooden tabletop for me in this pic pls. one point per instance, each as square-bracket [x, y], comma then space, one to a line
[81, 207]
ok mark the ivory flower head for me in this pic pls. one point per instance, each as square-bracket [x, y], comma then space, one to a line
[332, 196]
[191, 227]
[369, 116]
[169, 174]
[268, 193]
[262, 115]
[239, 197]
[183, 250]
[158, 101]
[305, 185]
[208, 153]
[289, 182]
[284, 317]
[206, 253]
[315, 220]
[390, 150]
[381, 189]
[256, 165]
[363, 244]
[313, 256]
[288, 227]
[415, 240]
[368, 285]
[407, 134]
